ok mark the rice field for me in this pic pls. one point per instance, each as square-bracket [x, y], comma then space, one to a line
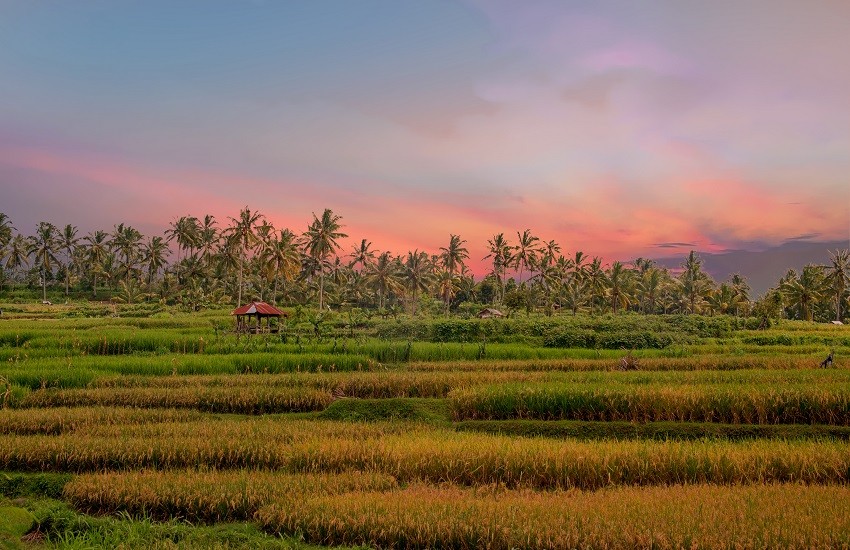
[732, 440]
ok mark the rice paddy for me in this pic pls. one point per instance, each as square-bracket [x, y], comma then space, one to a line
[730, 438]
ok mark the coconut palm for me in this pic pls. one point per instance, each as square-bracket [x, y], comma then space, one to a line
[96, 251]
[284, 258]
[452, 259]
[320, 242]
[154, 252]
[17, 255]
[125, 242]
[384, 276]
[5, 230]
[596, 280]
[837, 277]
[694, 283]
[805, 290]
[447, 285]
[501, 253]
[362, 254]
[68, 243]
[43, 247]
[619, 278]
[417, 274]
[452, 256]
[526, 251]
[243, 232]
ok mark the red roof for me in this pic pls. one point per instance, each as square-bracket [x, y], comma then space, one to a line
[258, 308]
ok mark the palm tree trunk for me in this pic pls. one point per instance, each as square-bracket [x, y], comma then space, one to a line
[239, 291]
[321, 288]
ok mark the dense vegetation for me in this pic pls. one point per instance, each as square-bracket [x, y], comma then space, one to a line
[248, 258]
[145, 426]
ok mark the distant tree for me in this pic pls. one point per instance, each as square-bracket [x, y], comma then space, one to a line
[619, 278]
[243, 232]
[68, 243]
[154, 253]
[43, 247]
[96, 251]
[526, 251]
[416, 274]
[321, 243]
[362, 255]
[384, 275]
[452, 259]
[501, 253]
[837, 277]
[805, 291]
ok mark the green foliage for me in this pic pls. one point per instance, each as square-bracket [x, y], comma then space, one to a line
[397, 409]
[15, 484]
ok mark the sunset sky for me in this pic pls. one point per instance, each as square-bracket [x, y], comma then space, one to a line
[622, 128]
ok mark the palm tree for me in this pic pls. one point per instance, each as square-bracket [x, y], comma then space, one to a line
[362, 254]
[154, 252]
[43, 248]
[417, 274]
[618, 280]
[806, 290]
[321, 242]
[452, 258]
[5, 238]
[5, 230]
[447, 285]
[282, 254]
[694, 283]
[186, 232]
[96, 252]
[383, 275]
[838, 275]
[17, 255]
[596, 280]
[502, 254]
[243, 230]
[208, 239]
[68, 242]
[526, 251]
[126, 241]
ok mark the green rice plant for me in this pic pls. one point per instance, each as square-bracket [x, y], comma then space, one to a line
[702, 516]
[727, 403]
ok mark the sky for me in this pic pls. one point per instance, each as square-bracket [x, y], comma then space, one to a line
[622, 129]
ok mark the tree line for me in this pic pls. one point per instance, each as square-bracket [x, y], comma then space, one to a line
[199, 262]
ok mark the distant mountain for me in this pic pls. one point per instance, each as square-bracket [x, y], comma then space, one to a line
[764, 268]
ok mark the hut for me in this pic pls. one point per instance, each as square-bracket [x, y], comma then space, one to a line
[490, 313]
[259, 311]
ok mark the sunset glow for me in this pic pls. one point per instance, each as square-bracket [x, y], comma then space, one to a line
[619, 129]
